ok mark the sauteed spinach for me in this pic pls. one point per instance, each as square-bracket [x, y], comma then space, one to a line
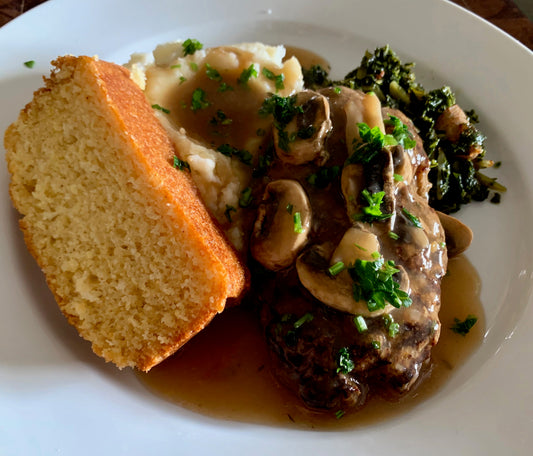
[455, 169]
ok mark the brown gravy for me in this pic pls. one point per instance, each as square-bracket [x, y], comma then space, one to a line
[306, 57]
[223, 372]
[226, 116]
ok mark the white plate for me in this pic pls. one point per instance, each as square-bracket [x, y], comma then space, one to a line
[56, 397]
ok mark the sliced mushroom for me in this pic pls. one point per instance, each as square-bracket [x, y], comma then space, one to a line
[389, 182]
[458, 235]
[352, 184]
[348, 108]
[361, 108]
[334, 291]
[416, 158]
[282, 225]
[404, 282]
[356, 243]
[304, 136]
[375, 177]
[402, 164]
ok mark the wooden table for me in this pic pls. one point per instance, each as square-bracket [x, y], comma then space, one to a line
[502, 13]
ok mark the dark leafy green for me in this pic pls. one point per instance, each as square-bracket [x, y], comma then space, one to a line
[315, 77]
[455, 174]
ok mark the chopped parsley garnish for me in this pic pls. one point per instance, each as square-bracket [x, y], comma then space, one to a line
[228, 211]
[324, 176]
[306, 132]
[297, 220]
[306, 318]
[337, 268]
[198, 100]
[181, 164]
[412, 218]
[464, 327]
[277, 78]
[247, 74]
[339, 414]
[283, 109]
[283, 139]
[212, 73]
[264, 161]
[193, 66]
[286, 317]
[221, 118]
[401, 133]
[374, 282]
[176, 66]
[289, 208]
[246, 197]
[160, 108]
[371, 143]
[392, 327]
[373, 140]
[226, 149]
[344, 361]
[393, 235]
[190, 46]
[372, 212]
[376, 344]
[398, 177]
[223, 87]
[243, 155]
[182, 79]
[360, 323]
[29, 63]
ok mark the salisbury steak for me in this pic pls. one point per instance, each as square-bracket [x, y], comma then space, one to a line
[356, 309]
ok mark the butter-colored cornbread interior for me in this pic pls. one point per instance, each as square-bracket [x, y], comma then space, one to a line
[126, 269]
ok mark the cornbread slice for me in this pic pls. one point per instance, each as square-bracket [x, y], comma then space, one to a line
[127, 247]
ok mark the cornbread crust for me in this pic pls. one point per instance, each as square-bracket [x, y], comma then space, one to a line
[130, 252]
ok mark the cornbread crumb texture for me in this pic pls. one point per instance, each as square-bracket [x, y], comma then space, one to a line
[130, 253]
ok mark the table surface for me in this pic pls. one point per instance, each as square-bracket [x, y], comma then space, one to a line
[502, 13]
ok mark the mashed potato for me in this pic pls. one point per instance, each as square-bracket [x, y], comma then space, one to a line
[208, 102]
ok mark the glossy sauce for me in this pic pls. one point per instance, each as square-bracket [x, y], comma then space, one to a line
[306, 58]
[227, 116]
[223, 372]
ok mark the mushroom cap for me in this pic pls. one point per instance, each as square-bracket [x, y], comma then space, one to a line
[458, 235]
[282, 226]
[307, 131]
